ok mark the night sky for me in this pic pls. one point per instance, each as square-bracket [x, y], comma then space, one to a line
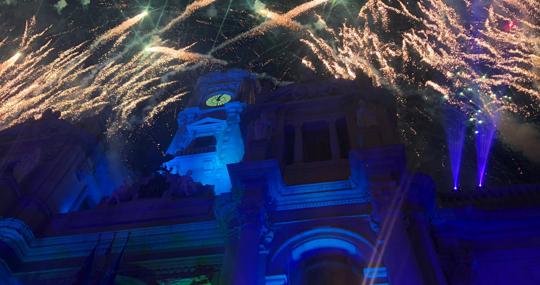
[276, 54]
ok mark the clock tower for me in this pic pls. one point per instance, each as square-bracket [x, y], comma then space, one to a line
[216, 89]
[208, 136]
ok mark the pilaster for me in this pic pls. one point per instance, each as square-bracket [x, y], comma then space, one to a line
[385, 177]
[334, 144]
[244, 215]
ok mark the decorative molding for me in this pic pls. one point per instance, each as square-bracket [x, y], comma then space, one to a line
[142, 241]
[225, 211]
[267, 233]
[321, 199]
[276, 279]
[17, 235]
[305, 241]
[317, 187]
[317, 204]
[322, 243]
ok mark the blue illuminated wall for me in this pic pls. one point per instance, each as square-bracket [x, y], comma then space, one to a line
[208, 164]
[370, 217]
[221, 124]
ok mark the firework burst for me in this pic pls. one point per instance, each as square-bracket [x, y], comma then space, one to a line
[184, 55]
[471, 61]
[128, 84]
[35, 80]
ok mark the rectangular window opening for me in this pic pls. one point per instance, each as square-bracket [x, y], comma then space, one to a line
[288, 153]
[316, 141]
[343, 137]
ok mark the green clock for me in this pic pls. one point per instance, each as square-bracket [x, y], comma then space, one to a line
[218, 99]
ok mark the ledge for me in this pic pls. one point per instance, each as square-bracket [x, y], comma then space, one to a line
[137, 213]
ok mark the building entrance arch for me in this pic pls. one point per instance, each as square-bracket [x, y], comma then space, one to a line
[325, 256]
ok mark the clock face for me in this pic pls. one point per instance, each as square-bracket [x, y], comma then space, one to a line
[218, 99]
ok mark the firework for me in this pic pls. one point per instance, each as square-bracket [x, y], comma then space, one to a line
[126, 84]
[190, 9]
[121, 83]
[121, 29]
[472, 62]
[274, 20]
[184, 55]
[10, 62]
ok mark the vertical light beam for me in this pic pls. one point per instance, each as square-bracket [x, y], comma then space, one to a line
[454, 125]
[485, 132]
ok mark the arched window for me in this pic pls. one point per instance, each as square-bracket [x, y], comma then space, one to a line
[326, 267]
[327, 255]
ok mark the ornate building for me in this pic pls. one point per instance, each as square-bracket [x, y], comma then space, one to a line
[306, 184]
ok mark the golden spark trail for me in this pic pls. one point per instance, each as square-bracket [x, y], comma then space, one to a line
[274, 21]
[161, 106]
[190, 9]
[472, 62]
[67, 83]
[184, 55]
[120, 81]
[10, 62]
[303, 8]
[307, 63]
[122, 28]
[280, 20]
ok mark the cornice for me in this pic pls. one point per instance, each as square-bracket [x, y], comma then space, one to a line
[16, 235]
[142, 241]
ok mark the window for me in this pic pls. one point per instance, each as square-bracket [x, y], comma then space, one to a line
[316, 141]
[288, 148]
[201, 145]
[343, 137]
[322, 268]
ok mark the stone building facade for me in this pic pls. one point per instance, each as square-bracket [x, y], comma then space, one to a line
[306, 184]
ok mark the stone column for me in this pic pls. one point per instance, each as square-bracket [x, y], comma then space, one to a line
[226, 214]
[249, 206]
[421, 208]
[334, 142]
[244, 217]
[298, 141]
[420, 226]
